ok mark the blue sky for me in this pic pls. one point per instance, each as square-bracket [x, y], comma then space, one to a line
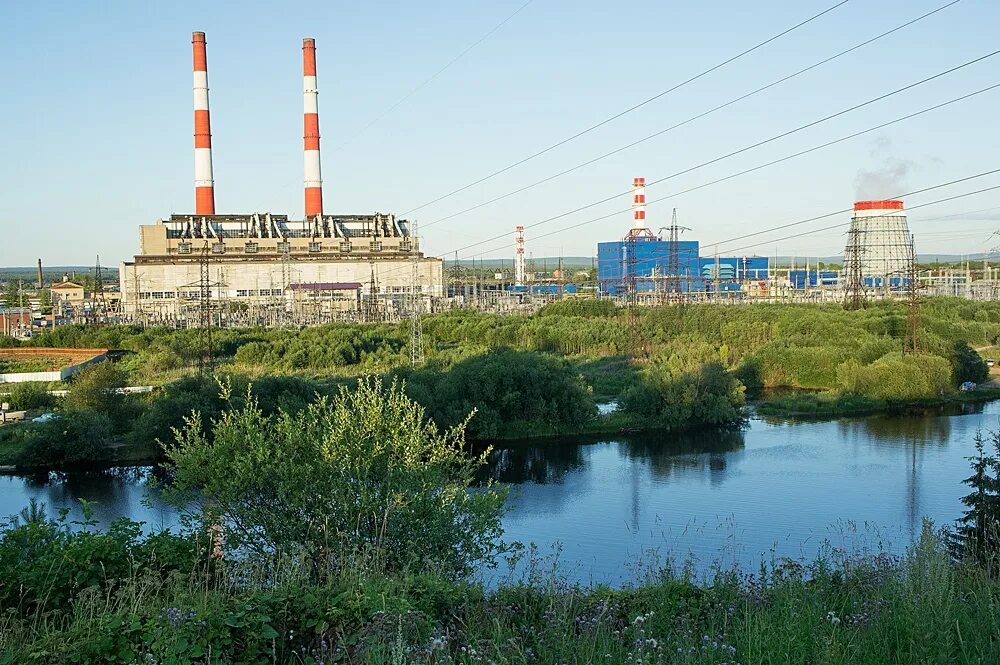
[96, 124]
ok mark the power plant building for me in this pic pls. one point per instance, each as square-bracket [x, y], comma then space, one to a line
[647, 263]
[263, 258]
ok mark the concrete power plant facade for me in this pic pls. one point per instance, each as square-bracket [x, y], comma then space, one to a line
[268, 259]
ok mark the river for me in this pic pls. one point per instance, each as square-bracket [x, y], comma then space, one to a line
[781, 488]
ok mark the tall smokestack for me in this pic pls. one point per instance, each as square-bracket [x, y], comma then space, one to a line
[313, 178]
[40, 282]
[204, 185]
[638, 203]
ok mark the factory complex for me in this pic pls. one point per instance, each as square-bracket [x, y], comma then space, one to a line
[260, 267]
[223, 268]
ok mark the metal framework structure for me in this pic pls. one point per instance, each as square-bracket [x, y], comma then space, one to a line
[854, 287]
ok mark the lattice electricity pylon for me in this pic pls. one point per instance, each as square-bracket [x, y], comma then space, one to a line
[416, 327]
[854, 287]
[672, 286]
[100, 303]
[206, 352]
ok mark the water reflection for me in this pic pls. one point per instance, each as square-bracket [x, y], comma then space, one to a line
[662, 453]
[775, 489]
[111, 493]
[666, 454]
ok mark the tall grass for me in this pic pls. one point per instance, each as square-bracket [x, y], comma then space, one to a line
[918, 608]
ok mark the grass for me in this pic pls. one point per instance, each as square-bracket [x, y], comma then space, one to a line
[832, 403]
[837, 609]
[34, 364]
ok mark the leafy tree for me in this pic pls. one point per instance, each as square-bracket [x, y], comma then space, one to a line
[507, 389]
[45, 301]
[966, 364]
[673, 397]
[362, 473]
[95, 388]
[12, 294]
[30, 395]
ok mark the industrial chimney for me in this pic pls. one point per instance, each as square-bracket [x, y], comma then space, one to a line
[40, 281]
[204, 185]
[313, 178]
[638, 203]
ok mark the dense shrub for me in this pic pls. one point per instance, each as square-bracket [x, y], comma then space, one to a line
[673, 396]
[966, 364]
[74, 436]
[584, 308]
[508, 390]
[896, 377]
[363, 473]
[29, 395]
[44, 563]
[94, 388]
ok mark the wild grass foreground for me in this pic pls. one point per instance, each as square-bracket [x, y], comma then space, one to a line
[352, 532]
[116, 598]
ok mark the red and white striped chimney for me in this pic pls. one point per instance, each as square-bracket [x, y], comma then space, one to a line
[313, 179]
[638, 203]
[204, 185]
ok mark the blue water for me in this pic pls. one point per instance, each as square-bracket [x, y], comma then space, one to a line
[780, 488]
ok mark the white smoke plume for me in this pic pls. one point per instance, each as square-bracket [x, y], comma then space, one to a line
[886, 181]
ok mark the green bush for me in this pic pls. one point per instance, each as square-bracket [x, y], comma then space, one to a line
[74, 436]
[361, 474]
[508, 390]
[896, 377]
[673, 397]
[967, 365]
[29, 395]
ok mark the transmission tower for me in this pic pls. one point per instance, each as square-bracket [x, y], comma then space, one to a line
[914, 328]
[416, 327]
[854, 287]
[100, 304]
[206, 358]
[673, 281]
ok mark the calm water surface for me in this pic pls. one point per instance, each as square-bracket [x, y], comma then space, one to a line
[780, 488]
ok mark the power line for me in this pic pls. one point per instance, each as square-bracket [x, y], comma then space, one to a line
[843, 224]
[745, 171]
[695, 117]
[433, 76]
[628, 110]
[801, 221]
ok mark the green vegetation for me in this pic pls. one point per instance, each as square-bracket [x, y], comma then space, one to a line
[669, 367]
[361, 475]
[345, 534]
[976, 537]
[34, 364]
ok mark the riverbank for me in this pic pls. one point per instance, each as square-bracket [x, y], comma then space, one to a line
[167, 603]
[830, 403]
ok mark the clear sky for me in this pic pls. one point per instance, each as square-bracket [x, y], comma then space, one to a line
[96, 123]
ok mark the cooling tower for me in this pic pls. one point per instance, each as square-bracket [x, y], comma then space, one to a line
[878, 229]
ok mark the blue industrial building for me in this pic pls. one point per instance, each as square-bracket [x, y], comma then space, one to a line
[651, 264]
